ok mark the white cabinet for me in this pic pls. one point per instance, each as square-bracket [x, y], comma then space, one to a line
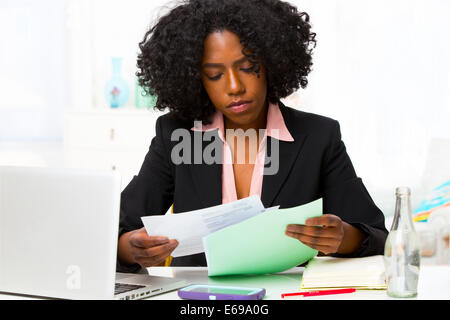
[109, 139]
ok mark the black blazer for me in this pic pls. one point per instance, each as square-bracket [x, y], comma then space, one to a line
[315, 165]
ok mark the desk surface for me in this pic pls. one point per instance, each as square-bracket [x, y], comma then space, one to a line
[434, 283]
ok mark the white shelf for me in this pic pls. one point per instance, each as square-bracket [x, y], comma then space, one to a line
[112, 139]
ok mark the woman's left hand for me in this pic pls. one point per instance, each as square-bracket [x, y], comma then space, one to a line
[327, 234]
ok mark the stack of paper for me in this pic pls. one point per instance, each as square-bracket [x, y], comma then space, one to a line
[359, 273]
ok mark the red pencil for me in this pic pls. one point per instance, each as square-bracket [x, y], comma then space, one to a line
[318, 292]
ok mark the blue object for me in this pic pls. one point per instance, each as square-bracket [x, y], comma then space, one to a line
[215, 292]
[439, 197]
[117, 91]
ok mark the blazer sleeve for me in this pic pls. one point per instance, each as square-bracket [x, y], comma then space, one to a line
[346, 196]
[148, 193]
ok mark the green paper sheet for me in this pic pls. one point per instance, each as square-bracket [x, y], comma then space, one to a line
[259, 245]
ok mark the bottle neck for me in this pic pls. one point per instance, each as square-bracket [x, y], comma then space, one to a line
[403, 214]
[116, 66]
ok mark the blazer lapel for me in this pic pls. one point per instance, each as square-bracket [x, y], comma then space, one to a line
[287, 156]
[208, 177]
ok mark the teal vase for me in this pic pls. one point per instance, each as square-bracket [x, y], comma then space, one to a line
[143, 98]
[117, 91]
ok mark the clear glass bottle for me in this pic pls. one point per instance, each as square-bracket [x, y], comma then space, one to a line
[402, 250]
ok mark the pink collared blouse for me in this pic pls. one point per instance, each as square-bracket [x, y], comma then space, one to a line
[276, 128]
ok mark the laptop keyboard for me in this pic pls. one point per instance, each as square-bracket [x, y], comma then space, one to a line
[123, 287]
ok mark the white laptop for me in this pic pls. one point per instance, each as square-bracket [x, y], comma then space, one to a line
[58, 236]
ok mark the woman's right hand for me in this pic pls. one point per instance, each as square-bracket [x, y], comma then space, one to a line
[148, 251]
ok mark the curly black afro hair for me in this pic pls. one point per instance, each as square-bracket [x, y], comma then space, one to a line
[271, 31]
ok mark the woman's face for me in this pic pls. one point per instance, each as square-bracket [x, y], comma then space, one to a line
[232, 85]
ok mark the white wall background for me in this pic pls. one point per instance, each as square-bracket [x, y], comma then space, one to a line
[34, 82]
[382, 69]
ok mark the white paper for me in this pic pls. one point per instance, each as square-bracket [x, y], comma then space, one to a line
[329, 272]
[190, 227]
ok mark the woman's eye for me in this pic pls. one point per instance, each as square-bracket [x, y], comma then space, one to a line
[248, 70]
[214, 77]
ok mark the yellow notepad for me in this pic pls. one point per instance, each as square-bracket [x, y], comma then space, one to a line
[359, 273]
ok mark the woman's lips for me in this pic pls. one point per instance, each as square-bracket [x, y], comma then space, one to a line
[240, 107]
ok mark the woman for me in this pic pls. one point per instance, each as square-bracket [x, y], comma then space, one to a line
[227, 63]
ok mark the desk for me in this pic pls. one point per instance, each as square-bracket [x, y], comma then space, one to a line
[434, 283]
